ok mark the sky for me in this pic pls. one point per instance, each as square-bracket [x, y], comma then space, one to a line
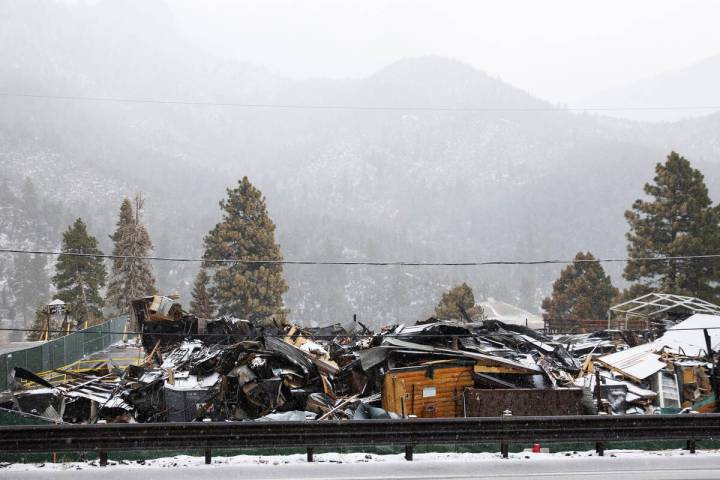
[559, 50]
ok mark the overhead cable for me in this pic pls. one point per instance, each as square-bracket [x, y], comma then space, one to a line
[372, 263]
[357, 107]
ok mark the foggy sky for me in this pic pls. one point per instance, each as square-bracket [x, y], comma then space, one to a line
[559, 50]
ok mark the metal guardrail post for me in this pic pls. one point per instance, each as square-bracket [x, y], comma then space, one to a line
[504, 449]
[408, 453]
[504, 446]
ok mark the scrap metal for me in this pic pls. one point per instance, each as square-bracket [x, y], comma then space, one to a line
[237, 370]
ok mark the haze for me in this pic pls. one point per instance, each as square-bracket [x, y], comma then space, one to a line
[506, 176]
[561, 50]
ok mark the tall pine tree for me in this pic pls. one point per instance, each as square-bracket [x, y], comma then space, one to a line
[246, 290]
[78, 279]
[131, 277]
[201, 305]
[458, 304]
[582, 292]
[677, 220]
[125, 218]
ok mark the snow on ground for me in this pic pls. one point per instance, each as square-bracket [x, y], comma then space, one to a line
[350, 458]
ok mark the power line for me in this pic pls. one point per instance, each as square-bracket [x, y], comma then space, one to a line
[414, 108]
[372, 263]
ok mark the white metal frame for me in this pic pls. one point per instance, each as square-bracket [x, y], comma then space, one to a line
[654, 304]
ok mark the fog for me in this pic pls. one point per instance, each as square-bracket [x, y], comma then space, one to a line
[560, 51]
[519, 180]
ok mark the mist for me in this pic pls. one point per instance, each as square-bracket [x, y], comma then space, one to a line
[456, 145]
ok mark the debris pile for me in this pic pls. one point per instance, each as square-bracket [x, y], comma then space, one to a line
[672, 373]
[229, 369]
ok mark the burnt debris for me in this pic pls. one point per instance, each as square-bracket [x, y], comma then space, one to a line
[229, 369]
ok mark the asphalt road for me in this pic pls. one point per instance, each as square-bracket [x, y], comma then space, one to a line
[635, 468]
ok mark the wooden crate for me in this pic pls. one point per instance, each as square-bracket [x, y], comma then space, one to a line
[429, 391]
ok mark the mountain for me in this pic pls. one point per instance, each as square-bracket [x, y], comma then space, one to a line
[695, 85]
[508, 177]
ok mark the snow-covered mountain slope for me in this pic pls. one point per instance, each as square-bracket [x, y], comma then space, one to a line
[511, 178]
[692, 86]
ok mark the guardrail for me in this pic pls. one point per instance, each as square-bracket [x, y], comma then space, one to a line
[319, 434]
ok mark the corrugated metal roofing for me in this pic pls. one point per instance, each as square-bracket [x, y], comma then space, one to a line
[687, 337]
[638, 362]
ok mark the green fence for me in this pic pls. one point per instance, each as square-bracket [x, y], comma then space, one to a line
[63, 351]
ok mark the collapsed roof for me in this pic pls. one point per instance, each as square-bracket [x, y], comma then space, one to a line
[229, 369]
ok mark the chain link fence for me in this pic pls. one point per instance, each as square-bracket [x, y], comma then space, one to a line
[64, 350]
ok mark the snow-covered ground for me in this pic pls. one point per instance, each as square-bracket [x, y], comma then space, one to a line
[186, 461]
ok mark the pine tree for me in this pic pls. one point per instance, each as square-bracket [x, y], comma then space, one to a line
[458, 304]
[78, 279]
[201, 305]
[29, 203]
[678, 220]
[125, 218]
[246, 290]
[30, 284]
[130, 277]
[582, 292]
[40, 323]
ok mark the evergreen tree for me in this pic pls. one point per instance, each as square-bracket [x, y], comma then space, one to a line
[633, 291]
[30, 284]
[678, 220]
[131, 277]
[40, 323]
[7, 213]
[27, 220]
[78, 279]
[29, 203]
[582, 292]
[246, 290]
[201, 305]
[458, 304]
[125, 218]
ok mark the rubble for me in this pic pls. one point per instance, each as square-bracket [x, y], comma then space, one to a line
[229, 369]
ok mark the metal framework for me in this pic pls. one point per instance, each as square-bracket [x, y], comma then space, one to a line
[654, 304]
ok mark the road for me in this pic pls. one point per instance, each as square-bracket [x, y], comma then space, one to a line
[553, 468]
